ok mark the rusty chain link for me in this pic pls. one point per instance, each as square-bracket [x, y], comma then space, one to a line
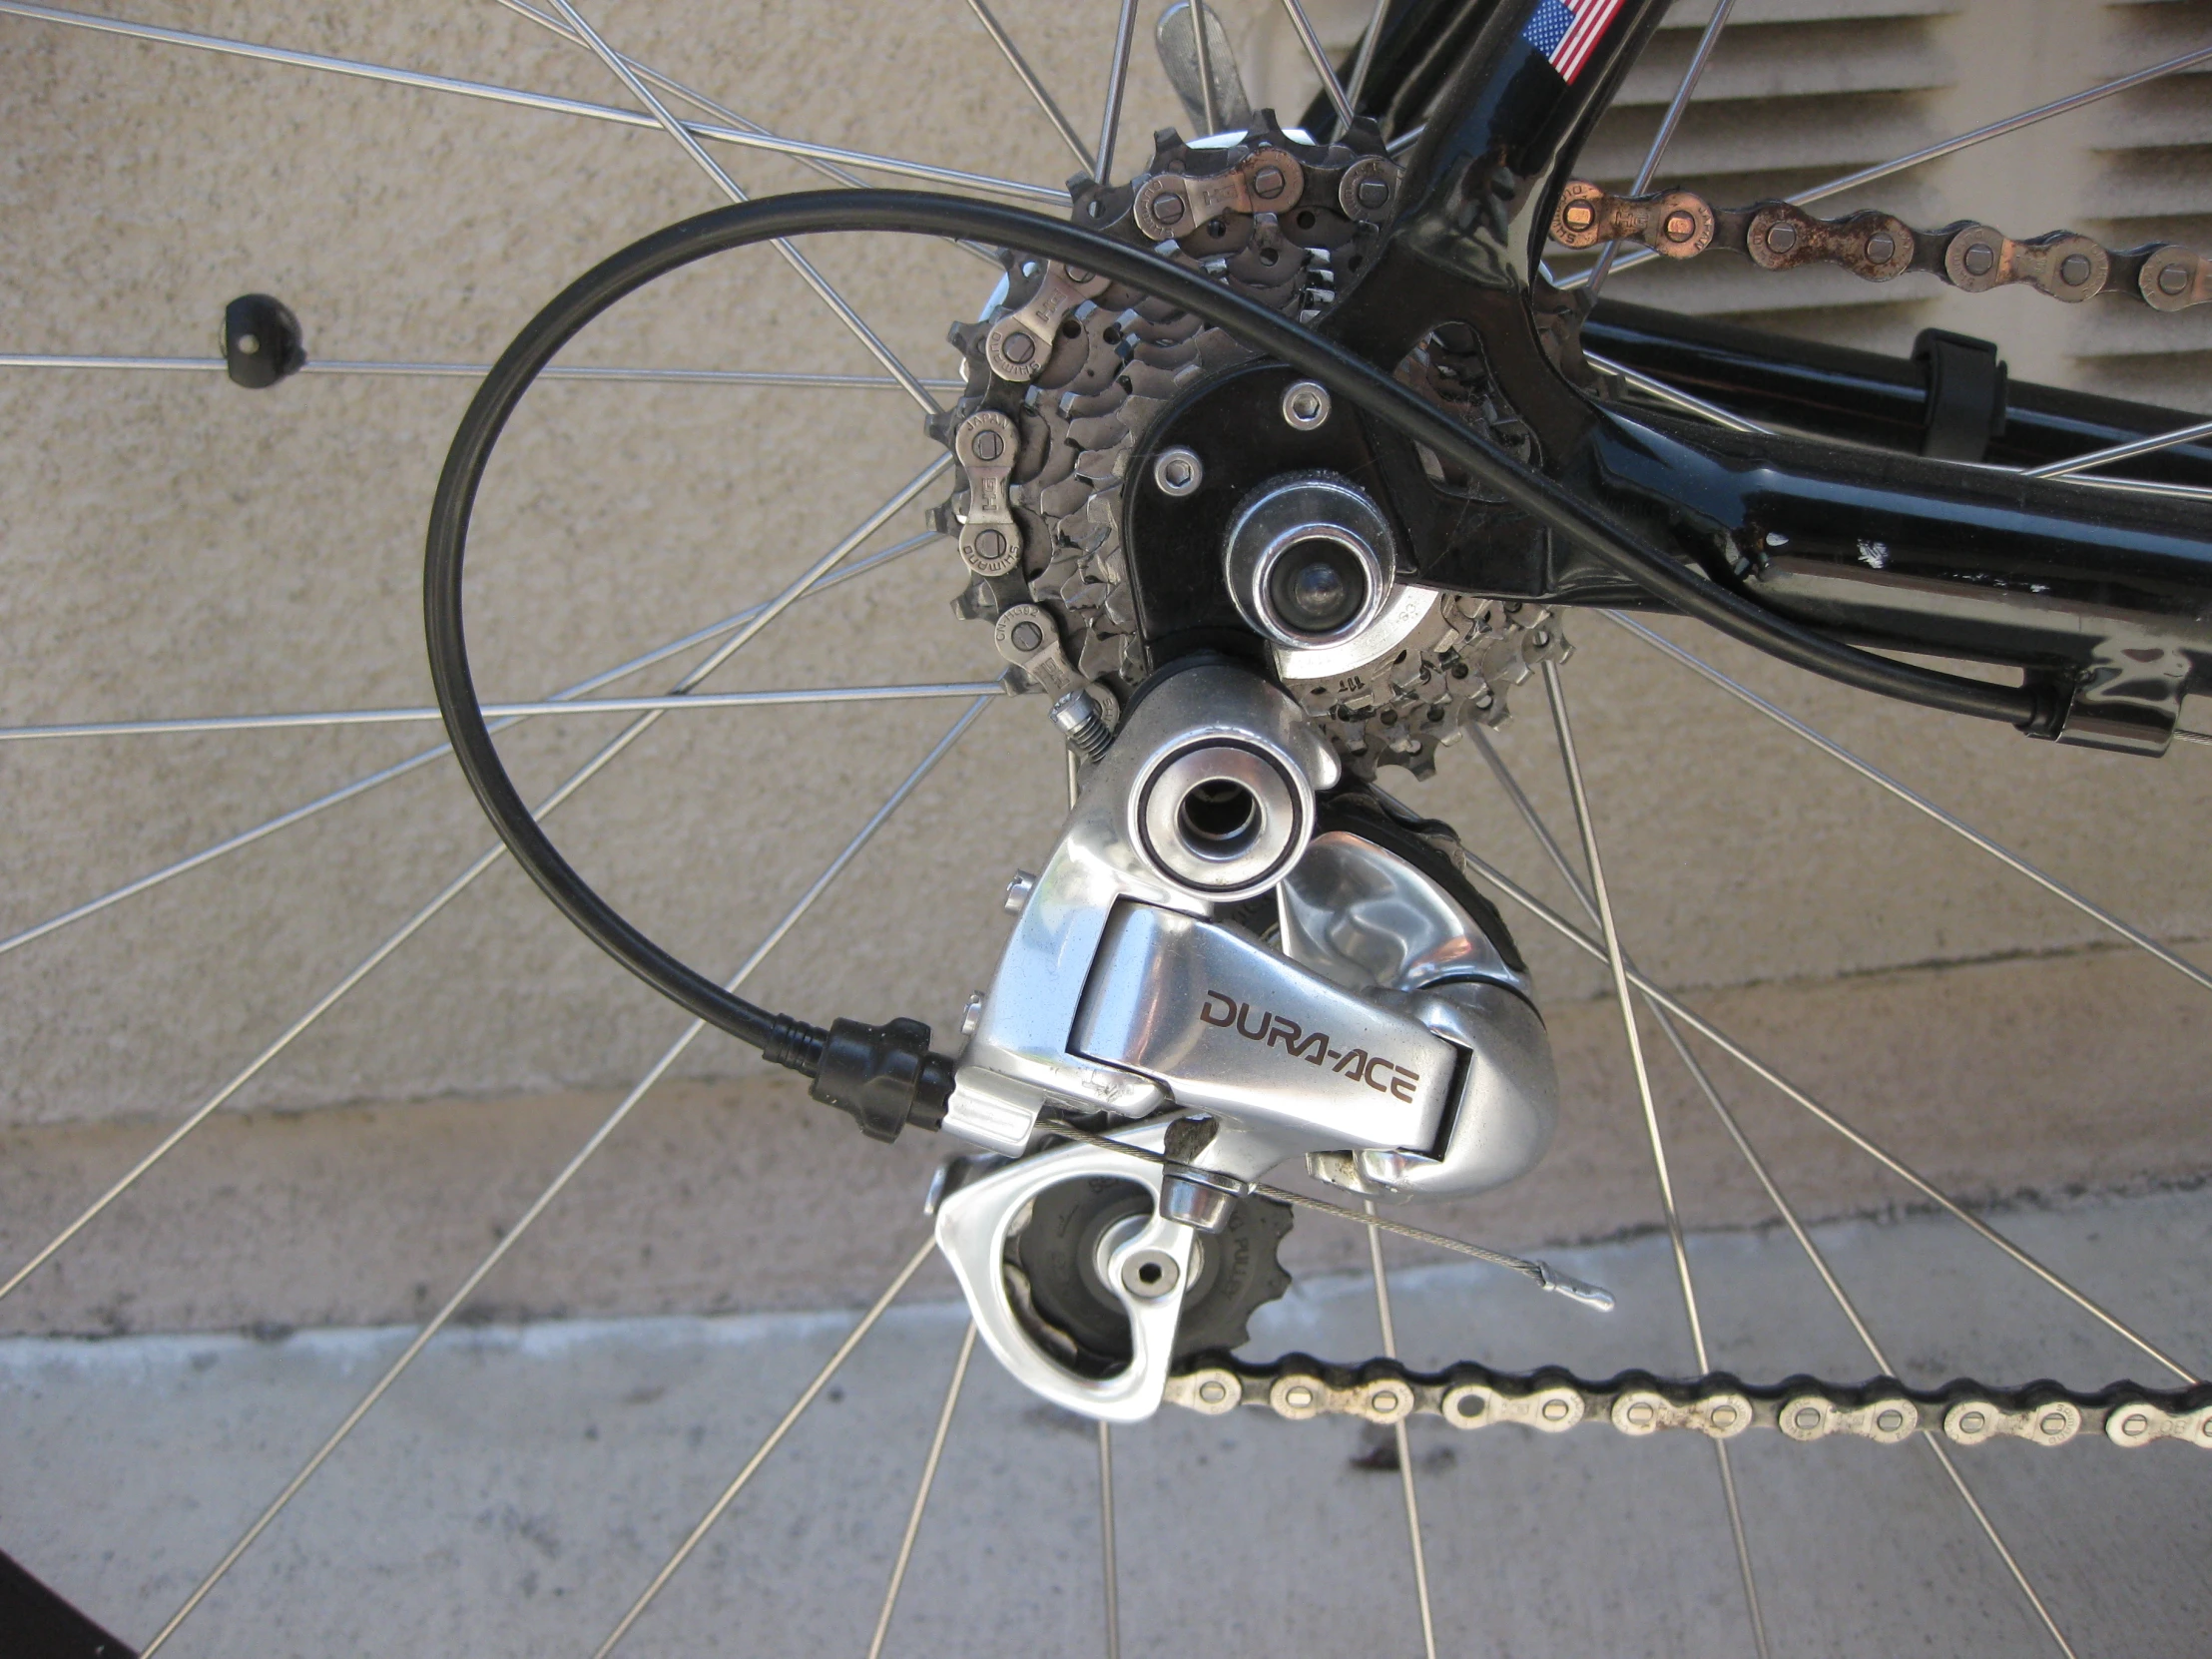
[1779, 236]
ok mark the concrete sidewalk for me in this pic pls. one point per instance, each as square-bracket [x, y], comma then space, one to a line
[522, 1483]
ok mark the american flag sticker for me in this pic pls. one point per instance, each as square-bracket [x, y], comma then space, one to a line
[1566, 31]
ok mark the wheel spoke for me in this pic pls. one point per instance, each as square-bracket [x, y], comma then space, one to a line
[1117, 82]
[791, 256]
[1365, 59]
[1812, 1254]
[2121, 452]
[1303, 27]
[767, 379]
[1045, 100]
[511, 711]
[1787, 1211]
[1665, 136]
[774, 1439]
[1616, 960]
[362, 785]
[1110, 1573]
[676, 87]
[629, 735]
[1402, 1440]
[1705, 1028]
[553, 1190]
[798, 150]
[1674, 397]
[1952, 146]
[1873, 775]
[921, 1495]
[1202, 52]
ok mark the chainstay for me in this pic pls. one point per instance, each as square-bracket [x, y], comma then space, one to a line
[1553, 1400]
[1969, 256]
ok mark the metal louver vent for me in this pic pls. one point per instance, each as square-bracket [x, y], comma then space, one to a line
[1801, 91]
[2150, 179]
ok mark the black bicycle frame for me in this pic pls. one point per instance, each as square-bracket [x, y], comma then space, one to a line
[2104, 592]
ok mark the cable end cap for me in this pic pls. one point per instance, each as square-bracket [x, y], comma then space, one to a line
[884, 1076]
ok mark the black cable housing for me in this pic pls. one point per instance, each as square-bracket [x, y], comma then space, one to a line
[793, 1042]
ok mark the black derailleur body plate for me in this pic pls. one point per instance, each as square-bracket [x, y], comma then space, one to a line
[1234, 423]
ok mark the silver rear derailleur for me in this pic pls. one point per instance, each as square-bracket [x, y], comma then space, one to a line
[1226, 966]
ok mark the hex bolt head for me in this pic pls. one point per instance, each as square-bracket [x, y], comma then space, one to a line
[1178, 471]
[1680, 227]
[2173, 280]
[1019, 348]
[1579, 216]
[1306, 404]
[1882, 247]
[1782, 236]
[2073, 270]
[1979, 260]
[1167, 208]
[1150, 1275]
[987, 444]
[1375, 193]
[1267, 183]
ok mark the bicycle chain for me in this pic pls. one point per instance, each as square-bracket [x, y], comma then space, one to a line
[1969, 256]
[1553, 1400]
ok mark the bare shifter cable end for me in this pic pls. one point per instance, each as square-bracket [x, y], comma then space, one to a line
[1574, 1288]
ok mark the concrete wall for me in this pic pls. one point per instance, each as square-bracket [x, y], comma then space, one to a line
[173, 546]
